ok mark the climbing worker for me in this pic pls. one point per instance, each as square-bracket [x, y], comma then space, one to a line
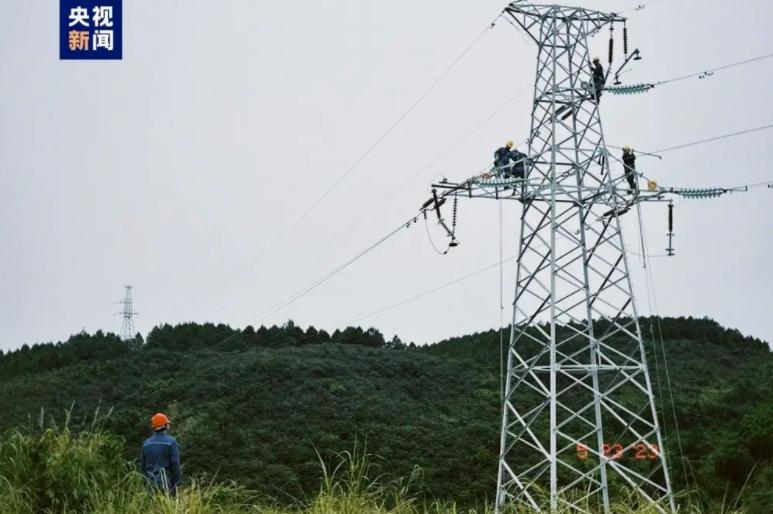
[502, 164]
[598, 78]
[629, 167]
[160, 461]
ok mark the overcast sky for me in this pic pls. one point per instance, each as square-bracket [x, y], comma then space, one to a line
[175, 168]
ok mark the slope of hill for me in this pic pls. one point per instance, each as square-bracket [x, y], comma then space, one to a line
[256, 405]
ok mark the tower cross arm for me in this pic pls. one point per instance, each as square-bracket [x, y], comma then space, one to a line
[531, 16]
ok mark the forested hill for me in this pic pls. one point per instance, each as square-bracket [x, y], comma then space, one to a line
[254, 405]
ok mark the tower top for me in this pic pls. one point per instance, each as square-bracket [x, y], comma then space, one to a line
[531, 17]
[562, 12]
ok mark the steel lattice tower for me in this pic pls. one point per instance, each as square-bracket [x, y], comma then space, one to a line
[127, 314]
[579, 420]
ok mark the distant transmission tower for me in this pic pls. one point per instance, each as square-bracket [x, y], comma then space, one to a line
[579, 423]
[127, 313]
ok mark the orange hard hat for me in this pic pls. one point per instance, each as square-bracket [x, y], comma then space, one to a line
[158, 420]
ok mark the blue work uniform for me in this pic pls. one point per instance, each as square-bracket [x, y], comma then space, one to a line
[502, 158]
[161, 462]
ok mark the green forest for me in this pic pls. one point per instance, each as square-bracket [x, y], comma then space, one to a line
[260, 407]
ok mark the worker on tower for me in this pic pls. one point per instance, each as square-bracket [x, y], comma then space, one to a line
[598, 78]
[502, 161]
[160, 462]
[629, 167]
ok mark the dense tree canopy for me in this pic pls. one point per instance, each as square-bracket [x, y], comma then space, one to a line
[255, 405]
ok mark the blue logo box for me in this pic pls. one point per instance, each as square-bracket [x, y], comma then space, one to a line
[90, 29]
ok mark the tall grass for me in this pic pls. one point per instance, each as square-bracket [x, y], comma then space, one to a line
[53, 469]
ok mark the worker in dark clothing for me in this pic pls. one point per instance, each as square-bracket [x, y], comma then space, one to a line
[598, 78]
[629, 167]
[161, 457]
[503, 158]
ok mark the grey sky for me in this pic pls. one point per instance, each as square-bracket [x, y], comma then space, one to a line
[175, 168]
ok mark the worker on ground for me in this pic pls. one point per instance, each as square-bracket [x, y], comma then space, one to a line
[161, 457]
[629, 167]
[598, 77]
[510, 162]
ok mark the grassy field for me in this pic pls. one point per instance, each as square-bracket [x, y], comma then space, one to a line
[53, 470]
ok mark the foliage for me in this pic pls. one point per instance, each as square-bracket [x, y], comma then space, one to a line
[106, 485]
[50, 469]
[79, 348]
[259, 406]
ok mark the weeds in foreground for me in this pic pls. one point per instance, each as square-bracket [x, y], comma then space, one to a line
[53, 470]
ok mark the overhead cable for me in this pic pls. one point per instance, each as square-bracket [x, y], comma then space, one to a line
[434, 290]
[717, 138]
[631, 89]
[370, 150]
[652, 302]
[429, 165]
[442, 286]
[371, 210]
[501, 310]
[708, 73]
[335, 271]
[695, 143]
[375, 145]
[640, 6]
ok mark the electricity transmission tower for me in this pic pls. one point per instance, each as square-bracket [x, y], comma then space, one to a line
[127, 313]
[579, 407]
[579, 422]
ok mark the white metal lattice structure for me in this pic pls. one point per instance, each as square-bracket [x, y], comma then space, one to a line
[127, 314]
[579, 411]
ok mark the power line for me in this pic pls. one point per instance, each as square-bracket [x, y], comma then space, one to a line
[443, 286]
[447, 284]
[640, 152]
[640, 7]
[433, 290]
[325, 278]
[306, 290]
[641, 88]
[348, 229]
[768, 183]
[370, 150]
[432, 164]
[652, 300]
[452, 147]
[335, 271]
[319, 282]
[429, 238]
[699, 142]
[501, 311]
[707, 73]
[717, 138]
[375, 145]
